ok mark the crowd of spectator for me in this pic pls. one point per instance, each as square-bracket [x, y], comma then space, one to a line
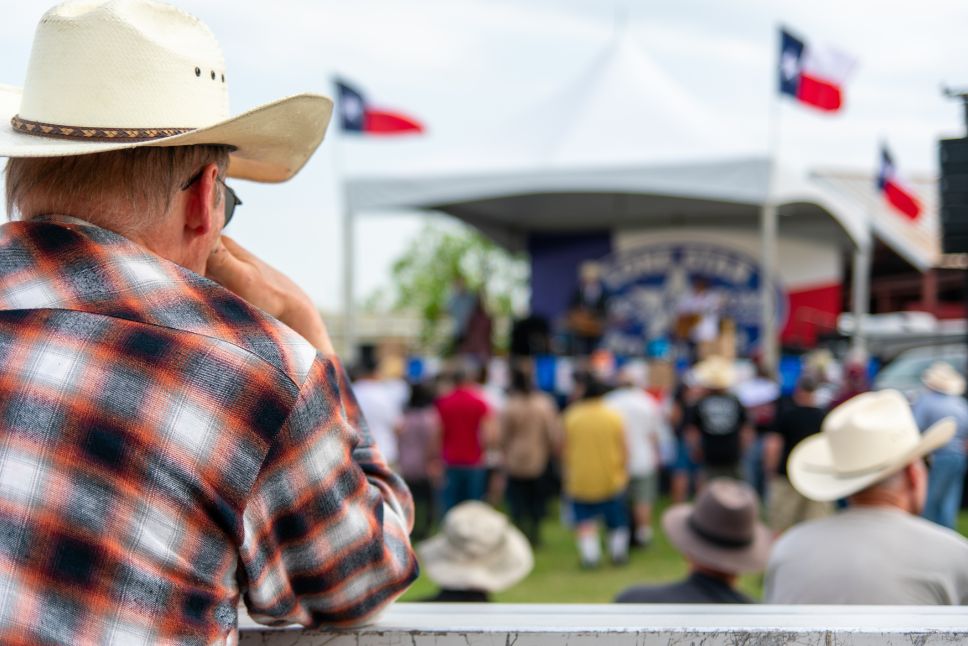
[724, 446]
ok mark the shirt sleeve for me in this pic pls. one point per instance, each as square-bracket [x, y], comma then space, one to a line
[326, 527]
[920, 418]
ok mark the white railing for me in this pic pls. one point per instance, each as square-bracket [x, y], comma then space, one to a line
[440, 624]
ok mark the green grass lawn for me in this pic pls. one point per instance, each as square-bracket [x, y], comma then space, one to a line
[556, 577]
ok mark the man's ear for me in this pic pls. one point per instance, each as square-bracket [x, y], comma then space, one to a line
[916, 471]
[202, 197]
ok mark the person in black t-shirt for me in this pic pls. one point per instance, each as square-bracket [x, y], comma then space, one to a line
[718, 429]
[786, 506]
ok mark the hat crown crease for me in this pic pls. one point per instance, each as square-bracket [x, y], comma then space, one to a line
[475, 534]
[870, 433]
[725, 513]
[124, 64]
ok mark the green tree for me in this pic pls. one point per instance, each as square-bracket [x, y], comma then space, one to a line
[423, 276]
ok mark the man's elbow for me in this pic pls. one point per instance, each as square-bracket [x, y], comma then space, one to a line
[361, 595]
[390, 582]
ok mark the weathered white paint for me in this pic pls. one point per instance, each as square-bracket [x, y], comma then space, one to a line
[426, 624]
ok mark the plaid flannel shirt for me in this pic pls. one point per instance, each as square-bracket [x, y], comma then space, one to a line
[165, 448]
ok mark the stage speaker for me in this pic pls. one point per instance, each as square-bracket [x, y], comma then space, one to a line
[954, 195]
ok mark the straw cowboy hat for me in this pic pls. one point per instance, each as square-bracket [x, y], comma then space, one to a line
[941, 377]
[114, 74]
[477, 549]
[716, 373]
[721, 530]
[392, 366]
[864, 440]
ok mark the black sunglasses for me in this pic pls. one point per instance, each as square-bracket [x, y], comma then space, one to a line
[231, 199]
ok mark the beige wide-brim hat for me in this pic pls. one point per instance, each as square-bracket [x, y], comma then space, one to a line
[864, 440]
[477, 549]
[115, 74]
[392, 366]
[721, 530]
[716, 373]
[941, 377]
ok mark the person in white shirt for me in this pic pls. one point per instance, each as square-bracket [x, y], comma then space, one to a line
[699, 311]
[878, 551]
[643, 422]
[380, 403]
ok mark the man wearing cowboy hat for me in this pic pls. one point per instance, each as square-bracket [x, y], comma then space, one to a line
[721, 537]
[718, 426]
[177, 433]
[878, 551]
[943, 397]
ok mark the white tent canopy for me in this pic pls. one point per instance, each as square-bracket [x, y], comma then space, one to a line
[509, 205]
[622, 145]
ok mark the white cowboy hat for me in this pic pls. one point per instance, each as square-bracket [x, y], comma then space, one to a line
[944, 379]
[477, 549]
[721, 530]
[113, 74]
[864, 440]
[716, 373]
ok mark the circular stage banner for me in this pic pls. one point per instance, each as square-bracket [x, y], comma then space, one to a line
[652, 289]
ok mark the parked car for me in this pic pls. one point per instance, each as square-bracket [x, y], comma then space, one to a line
[904, 372]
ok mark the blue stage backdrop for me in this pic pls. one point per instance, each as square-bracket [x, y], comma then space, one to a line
[555, 258]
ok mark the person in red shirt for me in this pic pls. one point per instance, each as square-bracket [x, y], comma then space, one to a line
[468, 426]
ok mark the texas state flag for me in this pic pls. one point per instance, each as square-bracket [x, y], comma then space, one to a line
[900, 197]
[357, 115]
[814, 76]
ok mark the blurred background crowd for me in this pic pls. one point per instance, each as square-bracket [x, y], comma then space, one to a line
[599, 444]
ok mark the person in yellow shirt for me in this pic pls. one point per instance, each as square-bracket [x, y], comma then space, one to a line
[595, 475]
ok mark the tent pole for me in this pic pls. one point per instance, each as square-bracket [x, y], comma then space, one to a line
[860, 289]
[768, 235]
[349, 284]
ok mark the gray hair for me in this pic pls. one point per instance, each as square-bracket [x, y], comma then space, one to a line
[126, 189]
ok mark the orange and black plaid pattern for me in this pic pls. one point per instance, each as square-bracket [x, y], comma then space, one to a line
[167, 449]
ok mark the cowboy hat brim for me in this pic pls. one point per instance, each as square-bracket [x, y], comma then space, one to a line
[955, 387]
[272, 142]
[811, 471]
[735, 560]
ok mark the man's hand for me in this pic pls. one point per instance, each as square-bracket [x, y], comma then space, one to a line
[267, 288]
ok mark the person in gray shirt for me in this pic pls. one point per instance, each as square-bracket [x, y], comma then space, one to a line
[877, 551]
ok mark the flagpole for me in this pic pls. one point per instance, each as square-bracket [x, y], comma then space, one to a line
[768, 235]
[861, 286]
[860, 290]
[349, 336]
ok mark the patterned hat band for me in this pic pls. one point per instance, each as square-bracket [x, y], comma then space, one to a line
[86, 133]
